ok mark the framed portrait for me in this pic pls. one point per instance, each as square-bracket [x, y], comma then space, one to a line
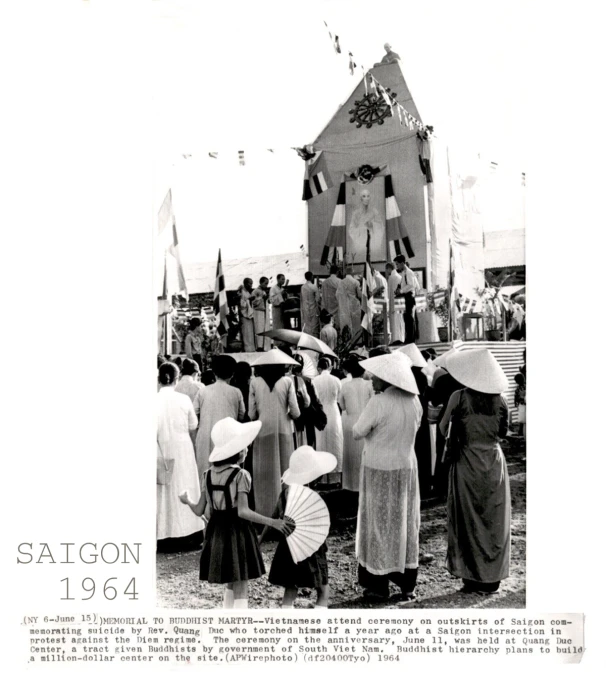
[365, 217]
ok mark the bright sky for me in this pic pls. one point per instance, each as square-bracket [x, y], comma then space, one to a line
[259, 75]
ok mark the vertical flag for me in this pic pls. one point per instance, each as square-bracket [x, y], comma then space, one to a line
[334, 40]
[335, 241]
[174, 251]
[166, 216]
[368, 286]
[452, 328]
[317, 179]
[352, 64]
[395, 228]
[220, 301]
[164, 302]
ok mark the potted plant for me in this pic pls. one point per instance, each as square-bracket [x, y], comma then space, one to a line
[442, 312]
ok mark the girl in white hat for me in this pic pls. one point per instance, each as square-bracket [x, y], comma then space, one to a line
[230, 554]
[306, 465]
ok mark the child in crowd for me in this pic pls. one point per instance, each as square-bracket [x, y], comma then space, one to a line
[231, 554]
[520, 402]
[305, 466]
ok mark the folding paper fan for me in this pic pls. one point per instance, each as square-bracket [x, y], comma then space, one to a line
[309, 368]
[311, 521]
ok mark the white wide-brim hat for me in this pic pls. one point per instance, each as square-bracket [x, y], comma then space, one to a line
[307, 464]
[394, 368]
[414, 354]
[231, 437]
[477, 369]
[274, 357]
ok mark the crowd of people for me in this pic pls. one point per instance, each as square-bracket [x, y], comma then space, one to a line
[390, 429]
[326, 309]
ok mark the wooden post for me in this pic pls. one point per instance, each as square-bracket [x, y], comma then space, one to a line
[450, 302]
[388, 297]
[385, 322]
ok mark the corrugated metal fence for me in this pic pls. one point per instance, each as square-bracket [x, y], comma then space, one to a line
[510, 356]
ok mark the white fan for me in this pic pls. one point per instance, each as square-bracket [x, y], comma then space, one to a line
[311, 518]
[309, 367]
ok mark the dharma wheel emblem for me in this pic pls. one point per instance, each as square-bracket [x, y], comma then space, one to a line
[371, 109]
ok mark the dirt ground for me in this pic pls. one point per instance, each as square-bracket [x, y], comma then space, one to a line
[178, 585]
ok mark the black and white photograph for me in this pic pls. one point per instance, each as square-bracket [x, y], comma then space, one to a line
[306, 250]
[341, 396]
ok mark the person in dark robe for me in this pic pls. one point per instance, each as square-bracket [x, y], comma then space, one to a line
[479, 500]
[443, 387]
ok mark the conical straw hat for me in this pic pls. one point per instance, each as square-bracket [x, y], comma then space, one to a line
[477, 369]
[274, 357]
[441, 360]
[393, 368]
[412, 351]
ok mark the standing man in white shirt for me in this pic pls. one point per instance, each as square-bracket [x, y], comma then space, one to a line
[408, 288]
[277, 296]
[396, 322]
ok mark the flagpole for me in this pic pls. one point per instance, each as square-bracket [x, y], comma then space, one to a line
[388, 298]
[450, 298]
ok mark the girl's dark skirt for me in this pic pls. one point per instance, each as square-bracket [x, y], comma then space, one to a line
[231, 551]
[309, 573]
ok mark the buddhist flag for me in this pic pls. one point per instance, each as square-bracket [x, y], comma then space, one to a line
[397, 234]
[317, 179]
[164, 306]
[168, 240]
[368, 287]
[220, 301]
[335, 241]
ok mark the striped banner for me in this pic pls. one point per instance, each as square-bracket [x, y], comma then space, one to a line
[169, 241]
[368, 286]
[173, 249]
[439, 297]
[397, 234]
[317, 179]
[399, 304]
[220, 300]
[335, 241]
